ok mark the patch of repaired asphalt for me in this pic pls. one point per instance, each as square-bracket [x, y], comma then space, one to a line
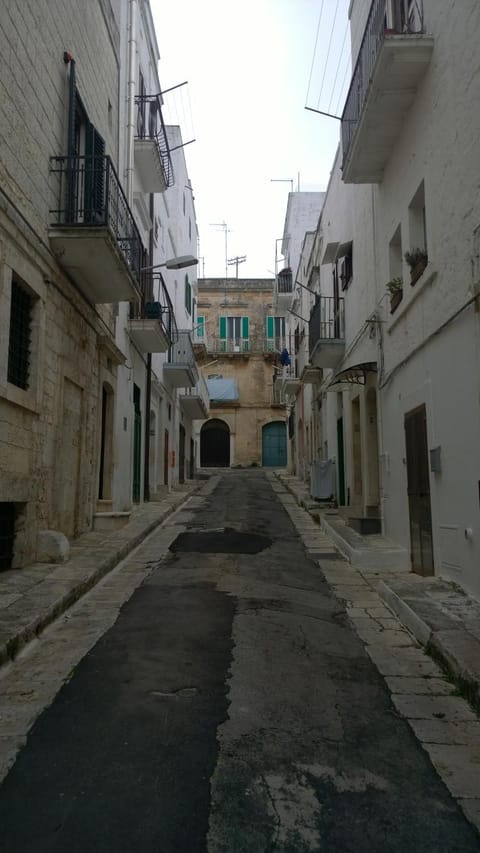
[225, 540]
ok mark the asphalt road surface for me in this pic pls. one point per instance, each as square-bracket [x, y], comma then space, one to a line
[231, 707]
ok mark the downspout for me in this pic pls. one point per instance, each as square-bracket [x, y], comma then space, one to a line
[131, 91]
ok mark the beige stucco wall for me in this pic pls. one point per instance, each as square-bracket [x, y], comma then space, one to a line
[253, 371]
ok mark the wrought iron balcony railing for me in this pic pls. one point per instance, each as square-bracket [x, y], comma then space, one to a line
[89, 195]
[255, 344]
[386, 17]
[150, 126]
[327, 321]
[181, 353]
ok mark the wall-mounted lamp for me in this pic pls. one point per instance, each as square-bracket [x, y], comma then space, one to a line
[174, 263]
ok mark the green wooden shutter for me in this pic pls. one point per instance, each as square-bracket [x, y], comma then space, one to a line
[270, 333]
[245, 346]
[223, 333]
[200, 327]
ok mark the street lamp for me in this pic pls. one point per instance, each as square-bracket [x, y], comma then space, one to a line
[179, 263]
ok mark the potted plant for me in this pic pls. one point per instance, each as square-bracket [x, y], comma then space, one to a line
[417, 260]
[395, 289]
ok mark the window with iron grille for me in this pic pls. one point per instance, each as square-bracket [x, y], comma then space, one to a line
[21, 307]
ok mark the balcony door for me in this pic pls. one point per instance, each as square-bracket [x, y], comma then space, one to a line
[418, 486]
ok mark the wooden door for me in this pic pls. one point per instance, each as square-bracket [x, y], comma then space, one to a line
[418, 485]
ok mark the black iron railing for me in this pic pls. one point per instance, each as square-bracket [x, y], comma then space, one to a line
[150, 126]
[285, 281]
[182, 352]
[327, 321]
[155, 304]
[90, 195]
[386, 17]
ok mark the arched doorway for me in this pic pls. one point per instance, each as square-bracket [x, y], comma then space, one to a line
[274, 444]
[215, 444]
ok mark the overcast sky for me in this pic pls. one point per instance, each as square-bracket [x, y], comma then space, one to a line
[252, 67]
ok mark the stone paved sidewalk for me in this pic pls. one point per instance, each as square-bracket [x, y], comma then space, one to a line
[33, 597]
[443, 721]
[440, 615]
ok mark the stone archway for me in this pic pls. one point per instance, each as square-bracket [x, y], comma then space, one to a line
[215, 444]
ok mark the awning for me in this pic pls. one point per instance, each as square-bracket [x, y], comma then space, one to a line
[334, 251]
[330, 253]
[222, 390]
[354, 375]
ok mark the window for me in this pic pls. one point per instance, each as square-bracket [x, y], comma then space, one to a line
[188, 295]
[275, 333]
[417, 220]
[346, 264]
[21, 307]
[233, 334]
[200, 327]
[395, 254]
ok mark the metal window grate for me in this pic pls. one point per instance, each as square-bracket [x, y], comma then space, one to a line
[7, 534]
[20, 331]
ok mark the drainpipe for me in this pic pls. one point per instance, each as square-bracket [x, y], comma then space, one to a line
[131, 90]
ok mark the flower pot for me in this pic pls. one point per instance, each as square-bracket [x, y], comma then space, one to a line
[395, 300]
[417, 271]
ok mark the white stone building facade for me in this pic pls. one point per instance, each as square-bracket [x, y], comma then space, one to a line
[399, 399]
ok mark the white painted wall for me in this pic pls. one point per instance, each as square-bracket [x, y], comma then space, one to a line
[428, 352]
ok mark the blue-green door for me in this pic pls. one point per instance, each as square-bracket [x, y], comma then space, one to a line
[274, 444]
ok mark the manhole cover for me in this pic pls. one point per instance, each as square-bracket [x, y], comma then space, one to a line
[221, 541]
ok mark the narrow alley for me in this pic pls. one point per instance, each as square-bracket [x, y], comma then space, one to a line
[213, 693]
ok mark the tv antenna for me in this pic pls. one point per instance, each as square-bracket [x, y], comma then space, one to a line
[222, 226]
[237, 260]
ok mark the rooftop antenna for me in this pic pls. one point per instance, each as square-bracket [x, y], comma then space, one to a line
[237, 260]
[222, 226]
[282, 181]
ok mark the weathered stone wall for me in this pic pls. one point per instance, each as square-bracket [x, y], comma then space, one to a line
[253, 370]
[49, 432]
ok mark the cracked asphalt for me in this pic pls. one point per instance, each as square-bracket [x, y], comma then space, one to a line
[226, 705]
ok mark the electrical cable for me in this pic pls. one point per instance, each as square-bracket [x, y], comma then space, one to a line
[338, 66]
[314, 52]
[328, 54]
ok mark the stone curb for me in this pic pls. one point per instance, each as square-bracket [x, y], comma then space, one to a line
[16, 638]
[457, 652]
[420, 630]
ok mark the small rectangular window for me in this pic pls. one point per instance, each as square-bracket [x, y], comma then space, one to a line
[21, 308]
[188, 295]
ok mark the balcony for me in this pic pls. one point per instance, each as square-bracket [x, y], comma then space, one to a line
[200, 342]
[283, 289]
[393, 57]
[326, 331]
[195, 402]
[92, 232]
[153, 161]
[311, 375]
[181, 370]
[245, 347]
[290, 381]
[154, 330]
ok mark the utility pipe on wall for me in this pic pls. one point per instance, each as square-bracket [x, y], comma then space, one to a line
[131, 91]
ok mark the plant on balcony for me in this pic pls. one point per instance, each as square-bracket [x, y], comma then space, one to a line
[417, 260]
[395, 289]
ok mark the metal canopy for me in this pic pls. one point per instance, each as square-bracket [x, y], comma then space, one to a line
[354, 375]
